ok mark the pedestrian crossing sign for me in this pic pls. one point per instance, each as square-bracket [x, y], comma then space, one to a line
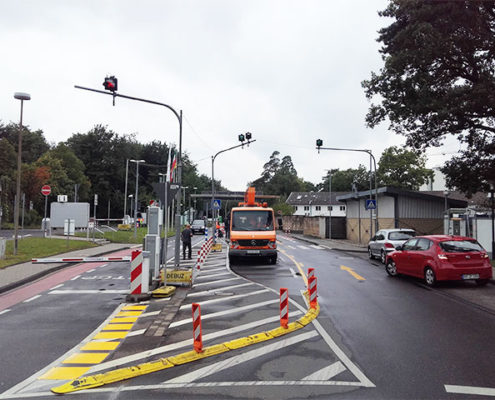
[371, 204]
[216, 204]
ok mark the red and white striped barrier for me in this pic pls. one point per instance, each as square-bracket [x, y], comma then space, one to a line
[284, 307]
[139, 273]
[311, 272]
[313, 302]
[197, 333]
[79, 259]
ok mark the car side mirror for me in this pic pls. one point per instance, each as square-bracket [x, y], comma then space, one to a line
[399, 248]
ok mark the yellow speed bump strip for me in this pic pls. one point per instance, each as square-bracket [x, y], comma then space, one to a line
[121, 374]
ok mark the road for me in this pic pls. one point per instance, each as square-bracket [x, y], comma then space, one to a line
[376, 337]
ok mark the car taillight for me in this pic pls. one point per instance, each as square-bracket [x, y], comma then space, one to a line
[389, 246]
[442, 256]
[272, 244]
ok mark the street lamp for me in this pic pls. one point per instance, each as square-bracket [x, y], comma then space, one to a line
[242, 138]
[130, 197]
[19, 96]
[136, 195]
[125, 190]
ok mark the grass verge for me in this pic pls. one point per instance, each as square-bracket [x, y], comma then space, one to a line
[36, 247]
[123, 236]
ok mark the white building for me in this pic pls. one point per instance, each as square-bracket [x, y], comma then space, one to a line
[317, 204]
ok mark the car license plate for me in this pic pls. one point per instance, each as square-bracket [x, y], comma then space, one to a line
[252, 251]
[471, 276]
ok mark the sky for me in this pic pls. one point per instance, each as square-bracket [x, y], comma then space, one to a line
[289, 72]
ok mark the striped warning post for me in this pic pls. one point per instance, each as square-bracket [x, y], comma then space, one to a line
[136, 271]
[311, 272]
[198, 265]
[284, 307]
[197, 333]
[312, 292]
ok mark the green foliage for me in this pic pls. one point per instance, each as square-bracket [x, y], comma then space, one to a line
[34, 143]
[342, 181]
[284, 207]
[403, 169]
[438, 80]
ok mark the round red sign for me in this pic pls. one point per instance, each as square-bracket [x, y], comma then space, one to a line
[46, 190]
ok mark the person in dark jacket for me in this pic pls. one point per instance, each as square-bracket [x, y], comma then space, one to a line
[186, 240]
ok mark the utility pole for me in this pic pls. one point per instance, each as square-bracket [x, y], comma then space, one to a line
[329, 171]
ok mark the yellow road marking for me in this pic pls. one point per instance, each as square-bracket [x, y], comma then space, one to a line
[100, 346]
[118, 327]
[129, 314]
[298, 265]
[351, 271]
[134, 308]
[123, 319]
[64, 373]
[111, 335]
[86, 358]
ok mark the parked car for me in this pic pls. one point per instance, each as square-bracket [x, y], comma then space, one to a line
[198, 226]
[441, 257]
[386, 240]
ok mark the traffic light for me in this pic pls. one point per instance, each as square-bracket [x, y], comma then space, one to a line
[110, 83]
[241, 138]
[248, 136]
[319, 143]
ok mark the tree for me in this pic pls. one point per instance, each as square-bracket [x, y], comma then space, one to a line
[342, 181]
[34, 143]
[403, 169]
[438, 80]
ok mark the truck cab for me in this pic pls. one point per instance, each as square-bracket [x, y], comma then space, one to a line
[252, 230]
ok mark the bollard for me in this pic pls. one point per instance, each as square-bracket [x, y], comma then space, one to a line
[197, 334]
[284, 307]
[136, 271]
[312, 292]
[311, 273]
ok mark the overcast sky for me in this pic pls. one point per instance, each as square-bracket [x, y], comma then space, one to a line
[287, 71]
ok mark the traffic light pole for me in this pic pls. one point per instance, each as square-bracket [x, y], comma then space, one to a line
[179, 158]
[214, 222]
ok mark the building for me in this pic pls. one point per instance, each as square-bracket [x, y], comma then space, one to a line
[396, 208]
[317, 204]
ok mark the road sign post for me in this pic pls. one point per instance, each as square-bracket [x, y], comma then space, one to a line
[45, 191]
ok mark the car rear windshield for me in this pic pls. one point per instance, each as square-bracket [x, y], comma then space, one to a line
[252, 220]
[198, 222]
[402, 235]
[460, 246]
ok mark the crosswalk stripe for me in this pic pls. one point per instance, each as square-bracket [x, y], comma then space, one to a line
[326, 373]
[234, 297]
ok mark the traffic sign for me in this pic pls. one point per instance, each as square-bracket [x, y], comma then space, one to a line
[216, 204]
[46, 190]
[370, 204]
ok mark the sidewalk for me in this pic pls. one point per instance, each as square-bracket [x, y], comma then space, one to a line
[339, 245]
[19, 274]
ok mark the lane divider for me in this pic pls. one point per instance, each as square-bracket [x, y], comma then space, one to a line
[96, 350]
[121, 374]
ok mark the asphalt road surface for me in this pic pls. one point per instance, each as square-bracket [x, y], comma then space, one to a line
[376, 337]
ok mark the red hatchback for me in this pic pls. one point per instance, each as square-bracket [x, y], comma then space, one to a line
[441, 258]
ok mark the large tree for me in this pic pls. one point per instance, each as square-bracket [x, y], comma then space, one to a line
[403, 169]
[343, 180]
[438, 80]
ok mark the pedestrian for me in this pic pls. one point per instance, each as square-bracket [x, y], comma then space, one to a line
[186, 241]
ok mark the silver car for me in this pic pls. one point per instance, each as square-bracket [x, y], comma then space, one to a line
[386, 240]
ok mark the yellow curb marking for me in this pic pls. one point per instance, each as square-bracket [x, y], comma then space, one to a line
[123, 319]
[134, 308]
[111, 335]
[65, 373]
[129, 314]
[86, 358]
[118, 327]
[351, 271]
[91, 346]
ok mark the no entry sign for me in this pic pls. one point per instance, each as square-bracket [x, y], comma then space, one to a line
[46, 190]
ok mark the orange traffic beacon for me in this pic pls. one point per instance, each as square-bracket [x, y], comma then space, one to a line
[252, 230]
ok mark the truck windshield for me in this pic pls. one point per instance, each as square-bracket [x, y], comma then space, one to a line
[251, 220]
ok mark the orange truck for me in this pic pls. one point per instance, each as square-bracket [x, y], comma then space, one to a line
[252, 230]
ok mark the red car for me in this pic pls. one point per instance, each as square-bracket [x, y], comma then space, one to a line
[441, 258]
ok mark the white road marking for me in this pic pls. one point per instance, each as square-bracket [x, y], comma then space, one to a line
[77, 276]
[104, 265]
[32, 298]
[326, 247]
[220, 281]
[241, 358]
[149, 314]
[302, 247]
[184, 343]
[291, 247]
[293, 272]
[56, 287]
[212, 292]
[89, 291]
[90, 270]
[315, 246]
[326, 373]
[482, 391]
[136, 333]
[236, 310]
[218, 300]
[207, 271]
[212, 275]
[4, 311]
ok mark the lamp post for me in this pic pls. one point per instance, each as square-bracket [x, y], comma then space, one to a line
[446, 219]
[130, 197]
[242, 138]
[194, 188]
[22, 97]
[329, 171]
[125, 190]
[136, 195]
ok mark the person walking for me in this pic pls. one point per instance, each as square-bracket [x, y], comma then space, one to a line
[186, 241]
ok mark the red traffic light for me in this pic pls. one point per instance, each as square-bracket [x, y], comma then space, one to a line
[110, 83]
